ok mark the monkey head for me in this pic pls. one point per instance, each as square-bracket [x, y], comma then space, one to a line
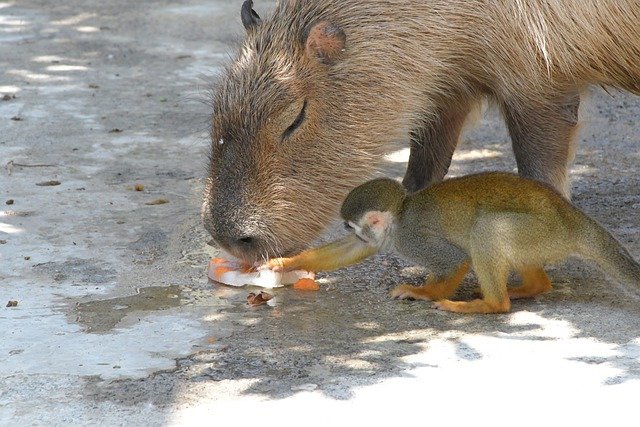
[371, 210]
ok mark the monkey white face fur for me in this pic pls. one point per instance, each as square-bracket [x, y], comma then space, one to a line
[375, 228]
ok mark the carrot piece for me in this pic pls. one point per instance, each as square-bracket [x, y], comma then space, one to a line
[219, 271]
[306, 285]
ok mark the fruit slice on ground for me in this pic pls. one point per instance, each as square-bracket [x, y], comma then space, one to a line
[306, 285]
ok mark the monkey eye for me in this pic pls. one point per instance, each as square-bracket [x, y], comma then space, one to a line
[296, 123]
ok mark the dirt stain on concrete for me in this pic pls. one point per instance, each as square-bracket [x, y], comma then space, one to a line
[101, 316]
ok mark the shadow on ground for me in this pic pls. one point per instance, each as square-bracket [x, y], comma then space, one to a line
[350, 334]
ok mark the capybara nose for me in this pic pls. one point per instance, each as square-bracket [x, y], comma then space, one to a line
[247, 242]
[245, 246]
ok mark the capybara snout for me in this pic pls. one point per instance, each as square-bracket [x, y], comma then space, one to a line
[278, 169]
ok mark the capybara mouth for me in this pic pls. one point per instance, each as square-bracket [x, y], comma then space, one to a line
[258, 252]
[252, 255]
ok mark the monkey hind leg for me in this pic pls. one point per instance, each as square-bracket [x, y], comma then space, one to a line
[534, 282]
[436, 288]
[493, 284]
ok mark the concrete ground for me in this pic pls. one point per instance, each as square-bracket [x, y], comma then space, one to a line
[116, 324]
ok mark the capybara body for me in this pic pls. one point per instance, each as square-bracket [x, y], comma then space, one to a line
[321, 90]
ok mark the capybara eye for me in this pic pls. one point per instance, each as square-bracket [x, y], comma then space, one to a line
[296, 123]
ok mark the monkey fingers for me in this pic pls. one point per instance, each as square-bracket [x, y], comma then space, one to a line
[279, 264]
[411, 292]
[433, 290]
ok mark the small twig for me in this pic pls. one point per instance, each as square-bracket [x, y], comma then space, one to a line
[10, 164]
[32, 166]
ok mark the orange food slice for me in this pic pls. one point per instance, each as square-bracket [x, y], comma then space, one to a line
[219, 271]
[306, 285]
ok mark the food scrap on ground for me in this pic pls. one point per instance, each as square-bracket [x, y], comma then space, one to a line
[306, 284]
[254, 299]
[237, 273]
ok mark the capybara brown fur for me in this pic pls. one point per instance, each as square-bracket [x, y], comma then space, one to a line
[321, 90]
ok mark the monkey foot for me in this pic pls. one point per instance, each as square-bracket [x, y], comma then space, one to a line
[474, 306]
[519, 292]
[410, 292]
[534, 282]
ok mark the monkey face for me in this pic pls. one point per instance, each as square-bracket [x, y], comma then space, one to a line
[374, 228]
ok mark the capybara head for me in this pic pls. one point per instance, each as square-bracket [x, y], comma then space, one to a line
[279, 166]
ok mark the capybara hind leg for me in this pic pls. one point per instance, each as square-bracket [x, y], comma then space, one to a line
[542, 133]
[433, 144]
[534, 282]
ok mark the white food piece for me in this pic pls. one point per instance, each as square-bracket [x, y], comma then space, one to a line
[263, 278]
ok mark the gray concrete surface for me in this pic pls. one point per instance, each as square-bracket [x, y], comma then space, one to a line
[117, 325]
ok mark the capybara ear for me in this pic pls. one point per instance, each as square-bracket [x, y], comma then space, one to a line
[249, 16]
[325, 42]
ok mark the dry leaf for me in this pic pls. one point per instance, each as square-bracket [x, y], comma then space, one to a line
[259, 299]
[12, 303]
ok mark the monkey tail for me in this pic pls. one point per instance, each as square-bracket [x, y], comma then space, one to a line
[597, 244]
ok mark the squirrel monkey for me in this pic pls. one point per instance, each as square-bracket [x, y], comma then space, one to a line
[493, 222]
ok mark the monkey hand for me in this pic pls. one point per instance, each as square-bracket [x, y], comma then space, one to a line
[279, 265]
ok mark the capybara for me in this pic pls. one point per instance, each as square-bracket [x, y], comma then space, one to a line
[321, 90]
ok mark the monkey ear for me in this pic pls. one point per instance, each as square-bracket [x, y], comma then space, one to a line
[325, 42]
[249, 16]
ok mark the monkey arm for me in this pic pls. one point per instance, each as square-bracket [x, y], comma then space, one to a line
[332, 256]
